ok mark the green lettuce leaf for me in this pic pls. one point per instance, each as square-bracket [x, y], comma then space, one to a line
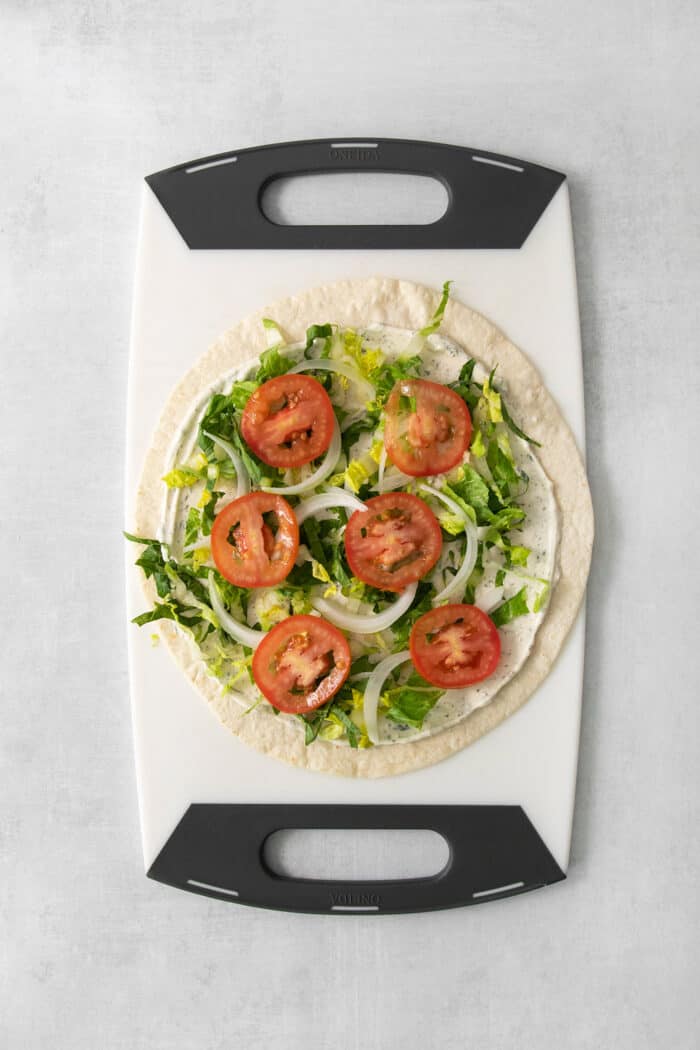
[409, 704]
[209, 513]
[221, 419]
[152, 561]
[511, 609]
[271, 326]
[505, 476]
[469, 487]
[241, 391]
[367, 359]
[463, 386]
[388, 374]
[506, 416]
[272, 364]
[436, 319]
[422, 603]
[318, 331]
[181, 478]
[193, 526]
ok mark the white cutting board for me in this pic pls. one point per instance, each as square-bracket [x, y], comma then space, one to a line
[183, 300]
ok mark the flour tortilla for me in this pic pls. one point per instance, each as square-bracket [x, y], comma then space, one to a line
[357, 304]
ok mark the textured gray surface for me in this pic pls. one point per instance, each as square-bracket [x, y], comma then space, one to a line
[94, 95]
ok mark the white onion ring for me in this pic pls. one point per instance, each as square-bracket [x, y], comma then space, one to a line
[395, 481]
[242, 479]
[320, 474]
[245, 635]
[381, 467]
[374, 688]
[353, 418]
[459, 580]
[331, 498]
[372, 623]
[343, 368]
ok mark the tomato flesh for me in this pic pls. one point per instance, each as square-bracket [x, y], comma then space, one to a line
[394, 542]
[288, 421]
[301, 663]
[454, 646]
[255, 539]
[428, 427]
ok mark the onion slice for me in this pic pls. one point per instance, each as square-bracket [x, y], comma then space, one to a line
[374, 688]
[371, 623]
[343, 368]
[327, 500]
[459, 580]
[242, 479]
[391, 482]
[381, 467]
[320, 474]
[353, 418]
[241, 633]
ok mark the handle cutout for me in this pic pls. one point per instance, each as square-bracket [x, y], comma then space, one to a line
[356, 854]
[354, 198]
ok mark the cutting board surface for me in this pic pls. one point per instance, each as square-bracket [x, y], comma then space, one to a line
[184, 299]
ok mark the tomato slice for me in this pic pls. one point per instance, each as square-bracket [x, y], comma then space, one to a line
[394, 542]
[288, 421]
[428, 427]
[255, 539]
[455, 646]
[301, 663]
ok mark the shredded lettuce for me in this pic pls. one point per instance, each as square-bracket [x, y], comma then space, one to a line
[181, 478]
[267, 607]
[221, 419]
[464, 384]
[152, 561]
[436, 319]
[388, 374]
[318, 331]
[453, 524]
[512, 425]
[468, 488]
[505, 476]
[542, 597]
[477, 447]
[185, 598]
[200, 557]
[272, 363]
[367, 359]
[274, 333]
[320, 572]
[515, 554]
[511, 609]
[241, 391]
[409, 704]
[334, 715]
[492, 401]
[357, 473]
[193, 526]
[422, 603]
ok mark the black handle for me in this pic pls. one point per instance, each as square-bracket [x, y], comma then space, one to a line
[494, 201]
[217, 850]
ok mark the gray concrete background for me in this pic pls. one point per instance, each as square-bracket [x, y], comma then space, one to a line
[93, 96]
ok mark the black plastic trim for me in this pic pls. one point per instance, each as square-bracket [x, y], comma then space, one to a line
[217, 851]
[494, 201]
